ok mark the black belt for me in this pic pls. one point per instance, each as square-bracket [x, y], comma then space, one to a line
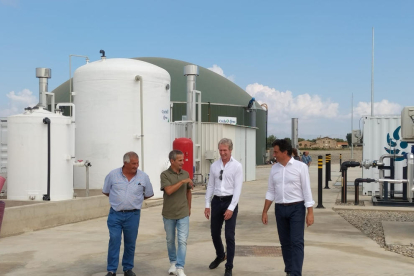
[127, 211]
[224, 198]
[291, 203]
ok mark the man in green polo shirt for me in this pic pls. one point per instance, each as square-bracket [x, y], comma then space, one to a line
[176, 210]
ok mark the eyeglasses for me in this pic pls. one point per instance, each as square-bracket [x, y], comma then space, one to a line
[221, 175]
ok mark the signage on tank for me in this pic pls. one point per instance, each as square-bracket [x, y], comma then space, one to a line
[227, 120]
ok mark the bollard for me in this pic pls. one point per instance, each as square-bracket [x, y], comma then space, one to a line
[326, 171]
[344, 186]
[329, 168]
[340, 162]
[320, 163]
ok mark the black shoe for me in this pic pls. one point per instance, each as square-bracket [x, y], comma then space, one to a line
[110, 274]
[216, 262]
[129, 273]
[287, 273]
[228, 272]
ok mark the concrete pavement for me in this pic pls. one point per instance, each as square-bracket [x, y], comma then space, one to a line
[332, 245]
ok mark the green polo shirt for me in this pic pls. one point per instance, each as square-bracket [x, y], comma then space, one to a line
[175, 205]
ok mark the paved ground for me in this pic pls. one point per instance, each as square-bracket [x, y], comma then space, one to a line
[332, 245]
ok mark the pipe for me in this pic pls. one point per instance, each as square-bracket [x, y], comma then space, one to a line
[141, 103]
[295, 133]
[381, 167]
[265, 106]
[46, 197]
[86, 164]
[72, 125]
[410, 176]
[43, 74]
[391, 180]
[356, 182]
[70, 76]
[191, 72]
[52, 103]
[209, 112]
[344, 170]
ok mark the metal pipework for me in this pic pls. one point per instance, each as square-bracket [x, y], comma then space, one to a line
[191, 72]
[70, 75]
[344, 170]
[295, 133]
[380, 164]
[141, 107]
[356, 183]
[86, 164]
[43, 74]
[410, 176]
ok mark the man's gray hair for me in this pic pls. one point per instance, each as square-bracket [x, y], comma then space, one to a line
[173, 154]
[226, 141]
[129, 155]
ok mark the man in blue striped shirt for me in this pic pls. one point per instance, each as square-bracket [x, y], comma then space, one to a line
[127, 188]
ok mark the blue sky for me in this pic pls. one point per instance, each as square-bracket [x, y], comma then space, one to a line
[303, 58]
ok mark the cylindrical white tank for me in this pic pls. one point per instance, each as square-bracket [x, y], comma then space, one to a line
[27, 167]
[108, 118]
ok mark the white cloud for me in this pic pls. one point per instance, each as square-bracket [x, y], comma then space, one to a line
[383, 107]
[283, 105]
[17, 102]
[218, 70]
[314, 113]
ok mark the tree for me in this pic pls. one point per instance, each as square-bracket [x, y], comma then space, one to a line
[349, 138]
[288, 139]
[270, 140]
[301, 139]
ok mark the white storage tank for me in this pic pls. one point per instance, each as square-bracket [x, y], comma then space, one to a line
[111, 119]
[27, 167]
[382, 135]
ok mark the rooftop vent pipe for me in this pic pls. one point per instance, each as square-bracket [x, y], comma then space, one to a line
[103, 57]
[191, 72]
[43, 74]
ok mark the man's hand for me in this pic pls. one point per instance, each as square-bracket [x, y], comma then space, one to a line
[189, 211]
[264, 218]
[309, 218]
[189, 181]
[228, 214]
[207, 213]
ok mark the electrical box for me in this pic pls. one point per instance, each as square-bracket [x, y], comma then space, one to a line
[210, 154]
[407, 124]
[356, 137]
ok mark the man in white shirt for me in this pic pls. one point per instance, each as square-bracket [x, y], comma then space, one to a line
[289, 188]
[224, 185]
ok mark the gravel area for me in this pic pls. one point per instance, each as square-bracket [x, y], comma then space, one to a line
[370, 223]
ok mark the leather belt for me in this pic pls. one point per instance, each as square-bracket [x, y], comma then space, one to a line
[127, 211]
[224, 198]
[291, 203]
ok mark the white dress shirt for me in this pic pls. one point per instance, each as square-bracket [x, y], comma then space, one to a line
[231, 183]
[290, 183]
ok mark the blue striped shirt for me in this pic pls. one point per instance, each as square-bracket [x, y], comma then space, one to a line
[124, 194]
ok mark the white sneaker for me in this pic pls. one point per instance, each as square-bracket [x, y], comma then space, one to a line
[173, 269]
[180, 272]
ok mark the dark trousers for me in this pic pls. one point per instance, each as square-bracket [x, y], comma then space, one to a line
[218, 208]
[290, 222]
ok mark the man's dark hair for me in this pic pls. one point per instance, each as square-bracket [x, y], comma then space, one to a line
[173, 154]
[284, 145]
